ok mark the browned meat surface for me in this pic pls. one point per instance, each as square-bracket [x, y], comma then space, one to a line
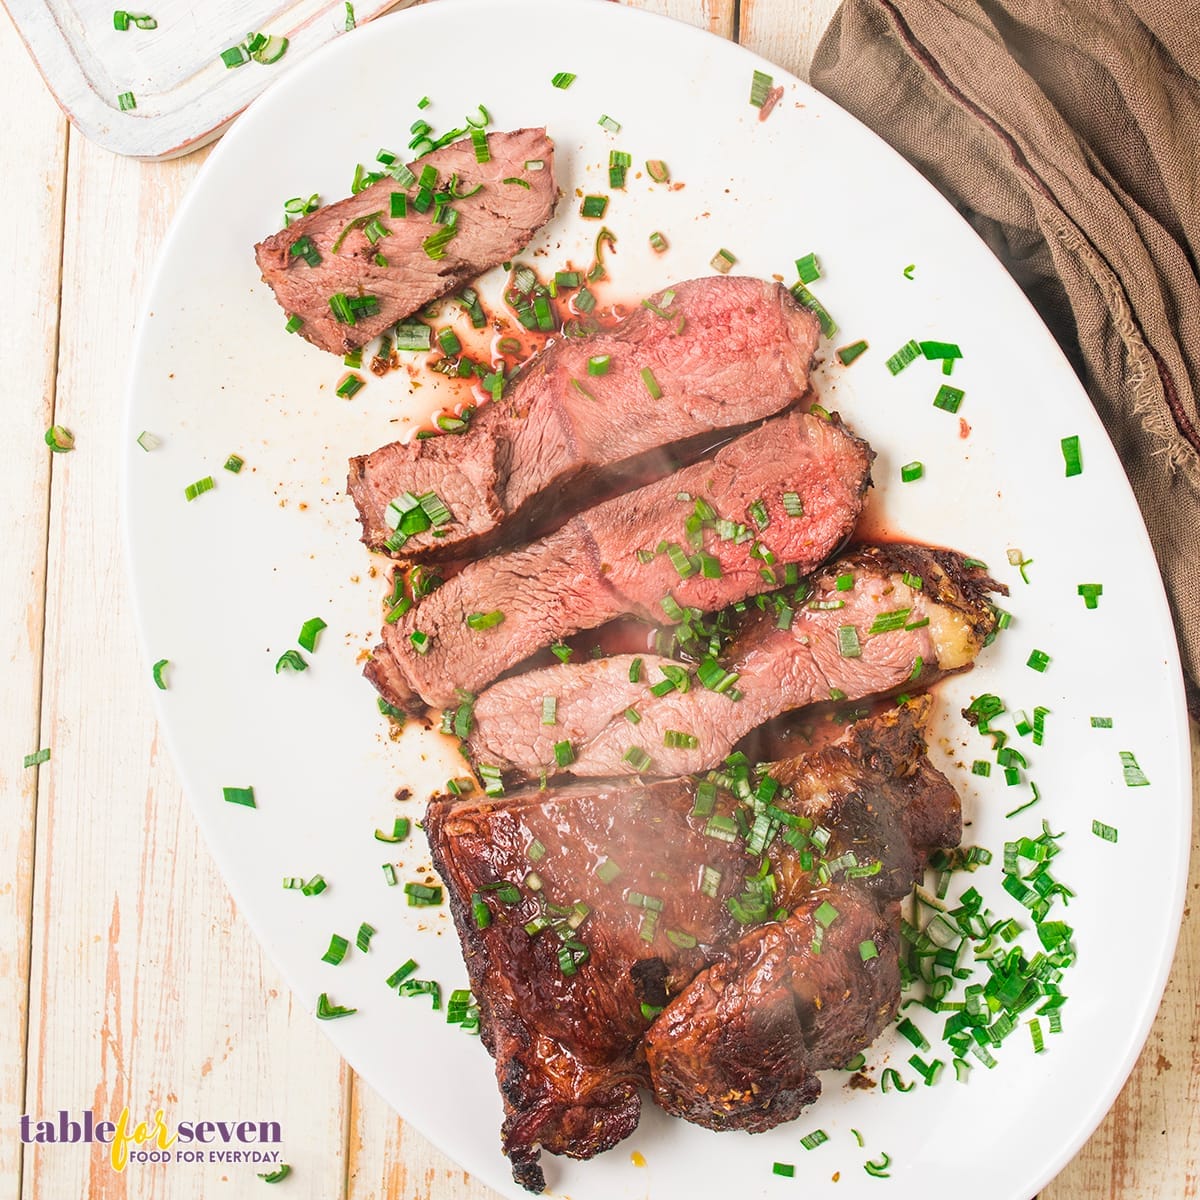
[925, 629]
[635, 906]
[733, 351]
[494, 224]
[602, 564]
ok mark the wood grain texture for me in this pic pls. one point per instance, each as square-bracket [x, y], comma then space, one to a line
[785, 33]
[147, 991]
[34, 161]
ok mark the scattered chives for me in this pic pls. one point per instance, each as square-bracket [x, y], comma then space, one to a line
[1105, 832]
[847, 354]
[608, 124]
[594, 207]
[309, 633]
[401, 973]
[948, 398]
[1072, 457]
[314, 887]
[148, 441]
[911, 471]
[235, 795]
[908, 271]
[1091, 593]
[787, 1170]
[399, 832]
[60, 439]
[157, 672]
[350, 384]
[1131, 771]
[848, 644]
[722, 261]
[291, 660]
[563, 80]
[818, 1137]
[658, 243]
[126, 101]
[760, 88]
[1038, 660]
[278, 1175]
[38, 757]
[658, 170]
[338, 946]
[329, 1012]
[1102, 722]
[828, 325]
[488, 620]
[421, 895]
[234, 463]
[651, 384]
[905, 355]
[199, 487]
[365, 934]
[549, 710]
[564, 754]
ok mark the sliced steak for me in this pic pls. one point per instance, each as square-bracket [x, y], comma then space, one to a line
[913, 614]
[635, 907]
[494, 224]
[732, 352]
[607, 562]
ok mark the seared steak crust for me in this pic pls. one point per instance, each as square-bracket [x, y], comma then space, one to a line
[571, 1050]
[601, 564]
[494, 224]
[778, 670]
[734, 351]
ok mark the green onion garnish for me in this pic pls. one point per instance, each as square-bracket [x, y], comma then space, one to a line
[658, 243]
[564, 754]
[1091, 593]
[401, 973]
[1038, 660]
[848, 644]
[1107, 832]
[599, 364]
[651, 384]
[280, 1173]
[422, 895]
[948, 398]
[365, 934]
[549, 710]
[199, 487]
[234, 463]
[235, 56]
[889, 622]
[350, 384]
[1131, 771]
[940, 350]
[787, 1170]
[488, 620]
[337, 950]
[594, 207]
[148, 441]
[828, 325]
[607, 871]
[878, 1169]
[413, 335]
[126, 101]
[291, 660]
[233, 795]
[1102, 722]
[637, 758]
[811, 1141]
[658, 170]
[981, 767]
[808, 268]
[608, 124]
[399, 832]
[847, 354]
[157, 672]
[675, 739]
[906, 354]
[481, 913]
[908, 271]
[563, 80]
[480, 143]
[389, 875]
[760, 88]
[1072, 456]
[911, 471]
[309, 632]
[867, 951]
[722, 261]
[329, 1012]
[37, 757]
[314, 887]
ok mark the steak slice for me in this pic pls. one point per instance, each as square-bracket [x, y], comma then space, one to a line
[603, 563]
[733, 352]
[633, 908]
[777, 670]
[494, 224]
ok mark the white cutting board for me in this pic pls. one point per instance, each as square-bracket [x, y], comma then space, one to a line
[185, 94]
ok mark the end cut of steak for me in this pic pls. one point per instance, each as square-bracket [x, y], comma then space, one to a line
[789, 492]
[709, 355]
[337, 250]
[875, 621]
[653, 953]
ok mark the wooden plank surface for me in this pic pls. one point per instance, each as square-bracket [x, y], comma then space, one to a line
[146, 987]
[33, 154]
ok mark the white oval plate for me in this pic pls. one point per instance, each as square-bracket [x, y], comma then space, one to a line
[224, 583]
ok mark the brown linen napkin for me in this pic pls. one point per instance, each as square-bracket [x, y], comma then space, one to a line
[1068, 134]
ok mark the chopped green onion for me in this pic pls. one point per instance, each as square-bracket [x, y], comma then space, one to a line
[658, 243]
[828, 325]
[878, 1169]
[389, 874]
[564, 754]
[235, 463]
[148, 441]
[157, 672]
[1107, 832]
[399, 832]
[37, 757]
[905, 355]
[890, 1078]
[608, 124]
[1091, 593]
[481, 913]
[120, 20]
[235, 56]
[760, 88]
[607, 871]
[847, 354]
[235, 795]
[651, 384]
[911, 471]
[594, 207]
[848, 644]
[908, 271]
[350, 384]
[291, 660]
[658, 170]
[599, 364]
[808, 269]
[315, 886]
[981, 767]
[675, 739]
[948, 398]
[365, 934]
[1038, 660]
[280, 1173]
[421, 895]
[488, 620]
[199, 487]
[337, 950]
[126, 101]
[561, 652]
[1131, 771]
[867, 950]
[401, 973]
[413, 335]
[811, 1141]
[549, 710]
[563, 80]
[722, 261]
[309, 633]
[329, 1012]
[1102, 722]
[637, 758]
[940, 350]
[1072, 457]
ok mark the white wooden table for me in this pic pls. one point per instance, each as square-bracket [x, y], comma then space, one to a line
[127, 977]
